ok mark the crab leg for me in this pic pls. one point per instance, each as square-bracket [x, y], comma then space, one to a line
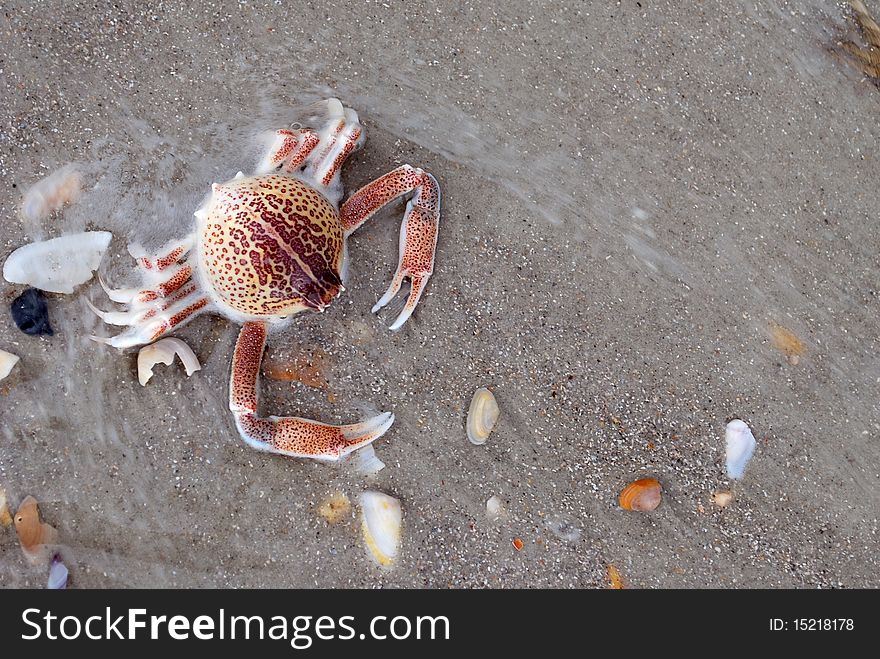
[172, 253]
[174, 282]
[291, 149]
[171, 297]
[146, 327]
[339, 138]
[418, 232]
[291, 436]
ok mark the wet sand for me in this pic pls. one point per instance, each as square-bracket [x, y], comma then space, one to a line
[635, 196]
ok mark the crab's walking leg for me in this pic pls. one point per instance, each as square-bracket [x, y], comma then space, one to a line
[166, 285]
[291, 149]
[171, 254]
[146, 326]
[418, 233]
[292, 436]
[169, 297]
[339, 138]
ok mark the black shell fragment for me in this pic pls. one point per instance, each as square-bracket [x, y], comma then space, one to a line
[31, 313]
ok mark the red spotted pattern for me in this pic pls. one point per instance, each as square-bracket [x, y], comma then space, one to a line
[272, 245]
[291, 435]
[420, 223]
[179, 318]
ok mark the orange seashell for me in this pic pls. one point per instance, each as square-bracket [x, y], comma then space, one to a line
[517, 544]
[33, 535]
[786, 342]
[5, 517]
[642, 495]
[614, 578]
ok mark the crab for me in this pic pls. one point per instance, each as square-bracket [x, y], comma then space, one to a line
[269, 246]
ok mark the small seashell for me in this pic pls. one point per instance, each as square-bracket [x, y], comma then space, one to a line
[642, 495]
[740, 447]
[163, 351]
[614, 579]
[495, 509]
[7, 363]
[722, 498]
[381, 519]
[5, 517]
[58, 574]
[51, 193]
[518, 544]
[482, 416]
[33, 534]
[334, 507]
[58, 265]
[31, 313]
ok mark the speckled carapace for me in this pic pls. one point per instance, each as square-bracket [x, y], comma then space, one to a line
[270, 245]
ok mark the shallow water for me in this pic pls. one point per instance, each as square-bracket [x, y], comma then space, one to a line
[633, 197]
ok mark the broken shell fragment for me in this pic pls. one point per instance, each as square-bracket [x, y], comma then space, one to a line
[722, 498]
[5, 517]
[163, 352]
[7, 363]
[786, 341]
[615, 581]
[495, 509]
[31, 313]
[642, 495]
[740, 448]
[518, 544]
[381, 519]
[482, 416]
[563, 527]
[366, 462]
[58, 265]
[33, 534]
[51, 193]
[58, 574]
[334, 507]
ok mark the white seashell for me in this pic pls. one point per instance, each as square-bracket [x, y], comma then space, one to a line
[381, 519]
[495, 509]
[740, 447]
[51, 193]
[7, 363]
[482, 416]
[58, 574]
[60, 264]
[366, 462]
[163, 351]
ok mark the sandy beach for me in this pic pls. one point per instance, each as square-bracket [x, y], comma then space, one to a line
[657, 217]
